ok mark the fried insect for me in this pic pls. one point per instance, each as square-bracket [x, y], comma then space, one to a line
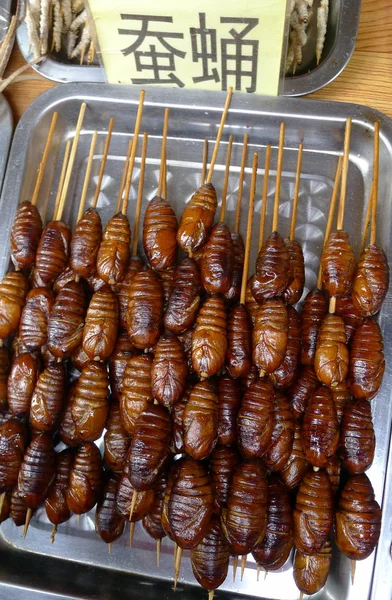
[229, 394]
[184, 301]
[25, 235]
[18, 508]
[21, 383]
[293, 292]
[167, 279]
[341, 395]
[123, 350]
[116, 440]
[223, 463]
[152, 521]
[272, 269]
[37, 471]
[48, 399]
[233, 294]
[177, 418]
[357, 440]
[66, 276]
[371, 280]
[101, 326]
[5, 364]
[217, 261]
[296, 465]
[34, 319]
[145, 309]
[171, 478]
[79, 358]
[210, 558]
[169, 371]
[239, 342]
[67, 431]
[331, 361]
[281, 444]
[314, 310]
[200, 420]
[136, 391]
[333, 471]
[56, 506]
[320, 428]
[12, 446]
[66, 321]
[85, 243]
[109, 524]
[13, 290]
[367, 363]
[350, 314]
[159, 234]
[255, 419]
[121, 289]
[209, 341]
[85, 481]
[250, 303]
[124, 495]
[284, 375]
[90, 405]
[270, 336]
[114, 251]
[52, 252]
[197, 219]
[338, 264]
[301, 391]
[311, 572]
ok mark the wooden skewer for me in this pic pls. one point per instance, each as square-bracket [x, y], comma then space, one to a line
[249, 228]
[211, 594]
[41, 168]
[301, 595]
[103, 162]
[164, 184]
[123, 177]
[235, 566]
[71, 161]
[353, 567]
[177, 566]
[307, 560]
[265, 574]
[78, 519]
[258, 573]
[2, 498]
[87, 176]
[159, 543]
[109, 547]
[131, 532]
[62, 177]
[29, 514]
[367, 218]
[346, 162]
[296, 192]
[175, 553]
[219, 134]
[226, 180]
[373, 233]
[243, 565]
[53, 534]
[128, 180]
[139, 195]
[263, 210]
[133, 503]
[163, 152]
[279, 168]
[204, 164]
[241, 183]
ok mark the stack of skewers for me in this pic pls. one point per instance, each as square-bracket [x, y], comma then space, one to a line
[232, 423]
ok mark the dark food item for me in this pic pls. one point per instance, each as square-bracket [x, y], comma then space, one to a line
[52, 252]
[12, 446]
[250, 303]
[350, 314]
[114, 251]
[301, 390]
[90, 405]
[333, 471]
[184, 301]
[116, 440]
[210, 558]
[177, 418]
[121, 289]
[229, 394]
[250, 378]
[95, 283]
[281, 444]
[311, 572]
[167, 279]
[67, 431]
[272, 269]
[217, 262]
[338, 264]
[255, 419]
[85, 481]
[171, 478]
[357, 519]
[48, 399]
[197, 219]
[145, 309]
[200, 420]
[371, 280]
[66, 321]
[357, 439]
[5, 364]
[33, 327]
[21, 383]
[233, 294]
[136, 390]
[314, 310]
[85, 243]
[37, 471]
[25, 235]
[223, 462]
[296, 465]
[367, 364]
[159, 234]
[270, 336]
[66, 276]
[152, 521]
[144, 500]
[320, 428]
[169, 371]
[56, 506]
[341, 395]
[276, 545]
[209, 340]
[18, 508]
[332, 356]
[79, 358]
[239, 342]
[293, 292]
[109, 524]
[13, 290]
[313, 513]
[101, 326]
[284, 375]
[123, 350]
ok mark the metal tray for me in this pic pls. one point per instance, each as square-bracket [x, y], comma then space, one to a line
[77, 565]
[339, 46]
[6, 127]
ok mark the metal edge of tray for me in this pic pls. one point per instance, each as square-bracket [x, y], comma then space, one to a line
[6, 128]
[5, 17]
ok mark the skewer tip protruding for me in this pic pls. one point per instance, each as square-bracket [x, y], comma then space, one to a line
[78, 519]
[53, 534]
[211, 594]
[29, 514]
[353, 567]
[235, 566]
[2, 498]
[131, 533]
[177, 566]
[133, 504]
[332, 305]
[243, 564]
[258, 572]
[159, 542]
[109, 547]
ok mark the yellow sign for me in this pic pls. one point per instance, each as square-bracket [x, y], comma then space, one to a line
[206, 45]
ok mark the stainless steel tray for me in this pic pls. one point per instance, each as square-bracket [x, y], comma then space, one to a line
[77, 565]
[6, 127]
[339, 46]
[5, 17]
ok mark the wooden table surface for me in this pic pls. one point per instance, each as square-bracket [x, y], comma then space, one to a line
[366, 80]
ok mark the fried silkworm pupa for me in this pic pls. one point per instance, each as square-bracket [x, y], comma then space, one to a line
[25, 235]
[293, 292]
[169, 371]
[5, 507]
[184, 301]
[331, 361]
[90, 405]
[52, 252]
[48, 399]
[145, 309]
[313, 513]
[123, 350]
[186, 341]
[217, 261]
[13, 290]
[136, 390]
[314, 310]
[367, 364]
[124, 495]
[12, 445]
[357, 519]
[67, 431]
[109, 524]
[320, 428]
[190, 504]
[5, 364]
[250, 378]
[171, 478]
[149, 448]
[66, 321]
[223, 462]
[18, 508]
[229, 394]
[281, 444]
[272, 269]
[18, 348]
[333, 471]
[341, 395]
[116, 440]
[210, 558]
[152, 521]
[197, 219]
[85, 243]
[284, 375]
[177, 418]
[301, 390]
[37, 470]
[209, 340]
[95, 283]
[239, 342]
[79, 358]
[121, 289]
[21, 383]
[113, 254]
[255, 419]
[357, 440]
[200, 420]
[66, 276]
[244, 521]
[56, 506]
[5, 415]
[338, 264]
[101, 326]
[232, 296]
[270, 336]
[350, 314]
[159, 234]
[296, 467]
[371, 280]
[33, 327]
[250, 303]
[167, 279]
[311, 572]
[85, 481]
[275, 548]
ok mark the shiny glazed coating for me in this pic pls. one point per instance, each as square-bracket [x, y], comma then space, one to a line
[341, 395]
[12, 445]
[293, 292]
[56, 506]
[313, 513]
[284, 375]
[116, 440]
[357, 519]
[367, 364]
[223, 463]
[25, 235]
[371, 280]
[85, 243]
[5, 364]
[229, 394]
[197, 219]
[101, 326]
[245, 520]
[233, 294]
[52, 252]
[136, 392]
[276, 545]
[217, 261]
[293, 472]
[320, 428]
[114, 251]
[66, 276]
[200, 420]
[239, 342]
[331, 360]
[109, 525]
[21, 383]
[159, 234]
[314, 310]
[144, 500]
[184, 300]
[90, 405]
[177, 419]
[270, 336]
[66, 321]
[145, 309]
[272, 269]
[33, 328]
[333, 471]
[300, 392]
[311, 572]
[171, 478]
[210, 558]
[250, 303]
[48, 399]
[152, 521]
[357, 440]
[338, 264]
[79, 358]
[350, 314]
[209, 340]
[18, 508]
[121, 289]
[85, 481]
[280, 446]
[37, 471]
[67, 431]
[13, 290]
[255, 419]
[167, 279]
[123, 350]
[169, 371]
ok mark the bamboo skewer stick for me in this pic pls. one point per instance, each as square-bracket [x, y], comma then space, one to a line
[226, 180]
[109, 547]
[204, 164]
[263, 209]
[123, 177]
[62, 177]
[211, 594]
[243, 565]
[163, 152]
[241, 183]
[29, 514]
[136, 132]
[219, 134]
[139, 195]
[2, 498]
[279, 168]
[235, 566]
[133, 504]
[367, 218]
[177, 566]
[249, 228]
[53, 534]
[159, 544]
[353, 564]
[45, 155]
[103, 162]
[131, 532]
[296, 192]
[373, 232]
[346, 162]
[87, 176]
